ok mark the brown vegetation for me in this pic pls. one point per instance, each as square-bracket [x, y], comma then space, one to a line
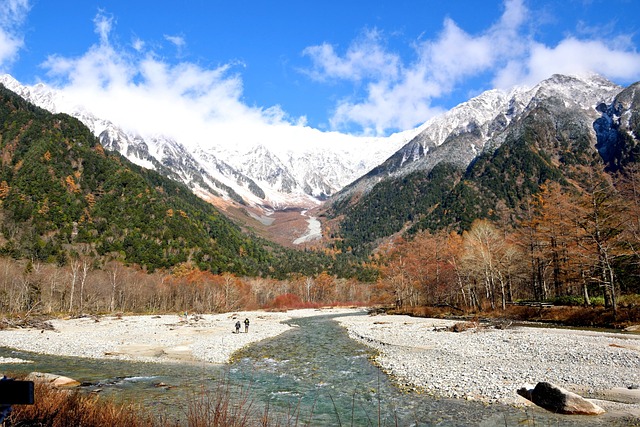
[61, 408]
[83, 286]
[224, 406]
[597, 317]
[566, 249]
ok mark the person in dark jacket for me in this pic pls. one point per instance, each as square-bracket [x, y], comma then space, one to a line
[238, 327]
[246, 325]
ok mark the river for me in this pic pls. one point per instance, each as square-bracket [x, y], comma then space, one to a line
[312, 375]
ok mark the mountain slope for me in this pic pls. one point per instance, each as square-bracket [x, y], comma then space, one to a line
[486, 155]
[62, 192]
[618, 129]
[237, 169]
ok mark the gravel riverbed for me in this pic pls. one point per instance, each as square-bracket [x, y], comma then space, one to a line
[201, 338]
[490, 364]
[485, 364]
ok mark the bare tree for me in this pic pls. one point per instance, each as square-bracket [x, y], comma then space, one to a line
[75, 267]
[490, 258]
[114, 271]
[83, 281]
[600, 216]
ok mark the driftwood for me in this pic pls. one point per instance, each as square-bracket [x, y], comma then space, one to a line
[25, 323]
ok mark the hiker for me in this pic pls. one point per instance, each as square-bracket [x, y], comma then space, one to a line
[246, 325]
[238, 327]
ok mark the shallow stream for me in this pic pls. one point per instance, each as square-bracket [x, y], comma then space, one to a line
[311, 375]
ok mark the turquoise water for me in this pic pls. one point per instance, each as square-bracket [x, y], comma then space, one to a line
[311, 375]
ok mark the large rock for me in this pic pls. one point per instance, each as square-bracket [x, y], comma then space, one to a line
[54, 380]
[556, 399]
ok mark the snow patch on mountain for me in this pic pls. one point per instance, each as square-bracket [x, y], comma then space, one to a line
[281, 166]
[459, 135]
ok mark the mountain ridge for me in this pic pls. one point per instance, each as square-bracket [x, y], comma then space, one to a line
[251, 174]
[460, 134]
[256, 185]
[483, 171]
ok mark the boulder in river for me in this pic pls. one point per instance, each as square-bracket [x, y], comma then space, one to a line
[54, 380]
[557, 399]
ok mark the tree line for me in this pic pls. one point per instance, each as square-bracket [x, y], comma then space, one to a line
[567, 246]
[84, 286]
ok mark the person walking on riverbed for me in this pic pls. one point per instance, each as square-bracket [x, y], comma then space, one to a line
[238, 327]
[246, 325]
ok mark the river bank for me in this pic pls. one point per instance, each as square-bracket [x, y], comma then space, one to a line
[207, 338]
[484, 364]
[490, 364]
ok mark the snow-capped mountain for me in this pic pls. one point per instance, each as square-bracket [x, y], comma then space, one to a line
[459, 135]
[618, 129]
[272, 176]
[259, 174]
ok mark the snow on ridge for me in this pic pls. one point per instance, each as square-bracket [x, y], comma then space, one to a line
[342, 157]
[306, 164]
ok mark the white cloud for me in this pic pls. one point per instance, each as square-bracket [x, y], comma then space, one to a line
[365, 58]
[400, 94]
[138, 44]
[178, 41]
[145, 93]
[12, 16]
[571, 56]
[139, 88]
[103, 25]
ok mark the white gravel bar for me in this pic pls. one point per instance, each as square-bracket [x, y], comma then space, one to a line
[164, 338]
[484, 364]
[490, 364]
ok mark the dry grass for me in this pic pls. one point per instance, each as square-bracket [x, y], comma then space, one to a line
[574, 316]
[62, 408]
[225, 406]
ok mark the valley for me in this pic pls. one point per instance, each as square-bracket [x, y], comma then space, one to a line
[332, 211]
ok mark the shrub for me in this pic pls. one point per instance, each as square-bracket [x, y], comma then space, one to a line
[631, 300]
[570, 300]
[289, 301]
[59, 408]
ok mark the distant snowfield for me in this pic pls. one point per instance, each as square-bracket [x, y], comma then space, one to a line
[314, 230]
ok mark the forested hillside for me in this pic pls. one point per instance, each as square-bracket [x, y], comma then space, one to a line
[552, 141]
[392, 205]
[63, 195]
[552, 214]
[61, 191]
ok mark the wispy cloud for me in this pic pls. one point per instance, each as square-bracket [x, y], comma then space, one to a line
[103, 26]
[178, 41]
[12, 16]
[366, 58]
[142, 91]
[400, 94]
[570, 56]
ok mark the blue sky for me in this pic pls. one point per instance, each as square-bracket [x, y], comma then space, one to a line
[359, 67]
